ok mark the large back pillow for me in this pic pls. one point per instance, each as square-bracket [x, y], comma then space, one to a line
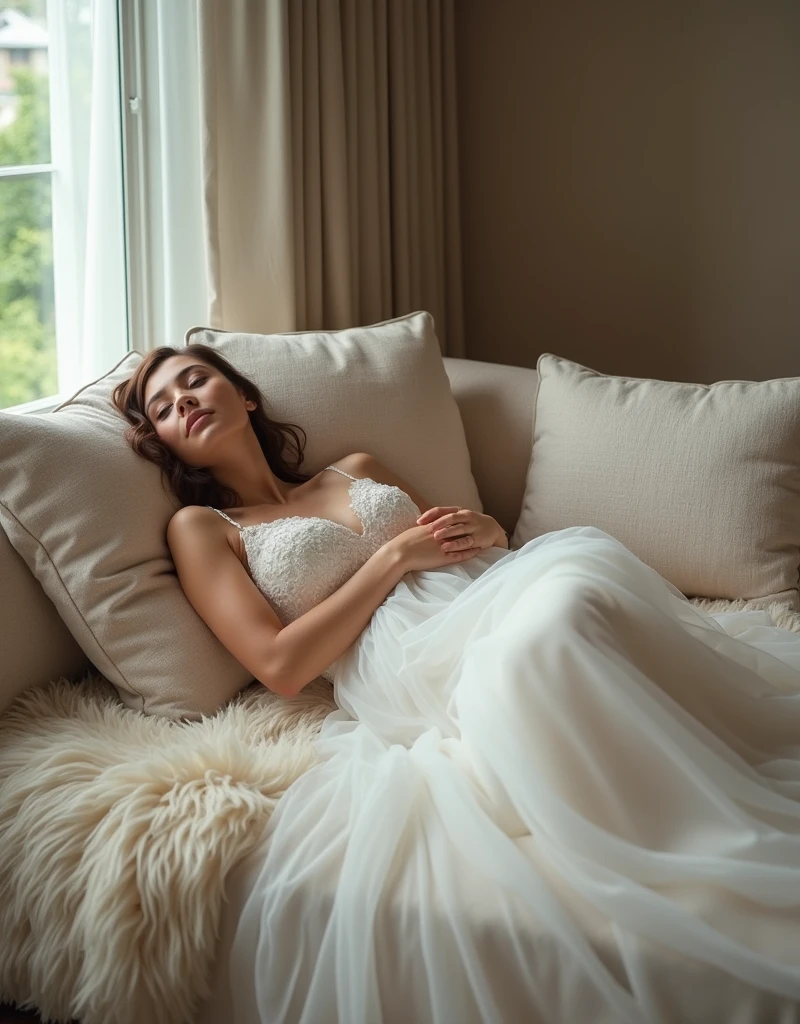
[700, 481]
[89, 517]
[380, 389]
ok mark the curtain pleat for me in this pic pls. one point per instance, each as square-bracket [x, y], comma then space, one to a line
[330, 163]
[450, 231]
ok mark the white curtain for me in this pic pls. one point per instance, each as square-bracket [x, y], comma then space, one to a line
[330, 163]
[174, 264]
[167, 288]
[297, 169]
[300, 166]
[89, 255]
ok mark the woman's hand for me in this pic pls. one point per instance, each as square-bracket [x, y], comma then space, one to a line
[460, 529]
[416, 548]
[445, 535]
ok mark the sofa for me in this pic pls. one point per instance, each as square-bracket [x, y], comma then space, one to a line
[103, 961]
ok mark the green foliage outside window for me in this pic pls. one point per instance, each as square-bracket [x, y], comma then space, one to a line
[28, 368]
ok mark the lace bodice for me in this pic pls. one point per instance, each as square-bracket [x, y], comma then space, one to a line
[298, 561]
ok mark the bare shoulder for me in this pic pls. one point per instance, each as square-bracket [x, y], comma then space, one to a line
[194, 521]
[362, 464]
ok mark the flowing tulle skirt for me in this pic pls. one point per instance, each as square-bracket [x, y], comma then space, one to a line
[554, 791]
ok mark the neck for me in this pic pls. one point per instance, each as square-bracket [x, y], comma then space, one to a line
[246, 471]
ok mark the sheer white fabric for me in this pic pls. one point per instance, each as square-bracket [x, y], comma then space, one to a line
[173, 268]
[553, 791]
[87, 189]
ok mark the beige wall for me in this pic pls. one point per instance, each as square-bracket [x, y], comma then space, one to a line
[631, 184]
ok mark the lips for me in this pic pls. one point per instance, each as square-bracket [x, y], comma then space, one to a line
[199, 416]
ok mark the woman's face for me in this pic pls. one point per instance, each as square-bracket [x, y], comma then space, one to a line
[192, 407]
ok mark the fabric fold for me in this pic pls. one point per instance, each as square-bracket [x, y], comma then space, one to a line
[550, 793]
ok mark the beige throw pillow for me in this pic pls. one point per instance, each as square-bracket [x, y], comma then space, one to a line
[702, 482]
[89, 517]
[35, 645]
[381, 389]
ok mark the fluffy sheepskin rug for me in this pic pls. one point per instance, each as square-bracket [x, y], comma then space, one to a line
[118, 831]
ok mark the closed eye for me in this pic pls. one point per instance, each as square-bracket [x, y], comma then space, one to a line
[196, 382]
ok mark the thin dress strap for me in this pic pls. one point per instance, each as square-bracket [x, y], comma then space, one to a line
[342, 472]
[219, 513]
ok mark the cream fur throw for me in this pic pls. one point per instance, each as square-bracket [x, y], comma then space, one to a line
[117, 833]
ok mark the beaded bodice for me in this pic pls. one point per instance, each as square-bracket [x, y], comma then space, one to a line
[298, 561]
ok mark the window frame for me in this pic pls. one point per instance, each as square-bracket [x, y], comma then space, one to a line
[130, 26]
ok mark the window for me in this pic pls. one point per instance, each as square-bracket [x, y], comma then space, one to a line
[63, 299]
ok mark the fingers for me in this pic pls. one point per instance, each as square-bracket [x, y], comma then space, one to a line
[455, 530]
[457, 544]
[452, 528]
[460, 521]
[435, 513]
[459, 556]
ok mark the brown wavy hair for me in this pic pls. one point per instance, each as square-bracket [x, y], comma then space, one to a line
[281, 443]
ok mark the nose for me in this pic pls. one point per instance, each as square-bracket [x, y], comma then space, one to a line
[185, 403]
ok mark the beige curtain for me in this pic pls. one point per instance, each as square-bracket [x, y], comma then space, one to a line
[330, 163]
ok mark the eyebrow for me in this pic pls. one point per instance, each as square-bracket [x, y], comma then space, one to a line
[177, 377]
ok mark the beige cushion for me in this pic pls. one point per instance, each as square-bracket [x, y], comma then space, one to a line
[702, 482]
[381, 389]
[496, 402]
[35, 645]
[89, 517]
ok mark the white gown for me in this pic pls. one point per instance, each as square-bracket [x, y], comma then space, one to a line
[548, 744]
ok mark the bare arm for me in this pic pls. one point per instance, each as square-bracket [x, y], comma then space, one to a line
[306, 647]
[282, 658]
[287, 658]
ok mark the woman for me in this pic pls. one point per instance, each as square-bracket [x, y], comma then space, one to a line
[543, 745]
